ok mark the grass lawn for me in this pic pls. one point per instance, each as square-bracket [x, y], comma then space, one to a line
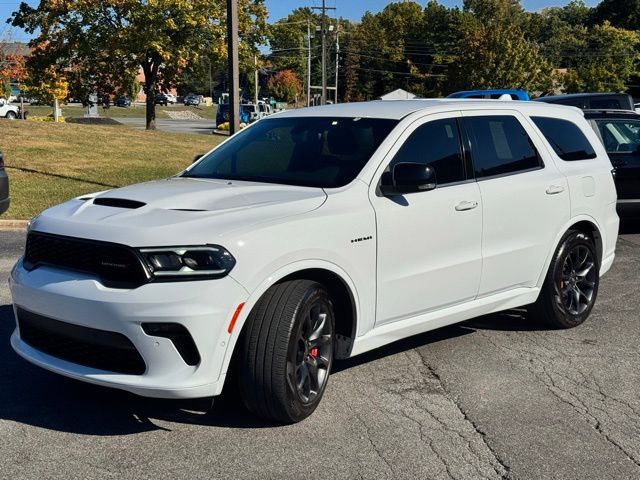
[49, 163]
[136, 111]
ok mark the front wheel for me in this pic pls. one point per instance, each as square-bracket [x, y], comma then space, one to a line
[287, 351]
[11, 116]
[571, 286]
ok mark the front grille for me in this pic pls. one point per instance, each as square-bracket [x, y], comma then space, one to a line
[100, 349]
[116, 265]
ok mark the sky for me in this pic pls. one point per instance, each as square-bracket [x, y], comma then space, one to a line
[351, 9]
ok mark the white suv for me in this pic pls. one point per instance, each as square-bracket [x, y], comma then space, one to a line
[314, 235]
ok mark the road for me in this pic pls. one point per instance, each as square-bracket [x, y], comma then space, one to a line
[495, 397]
[203, 126]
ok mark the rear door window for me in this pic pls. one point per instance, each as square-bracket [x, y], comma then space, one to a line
[500, 146]
[437, 144]
[566, 138]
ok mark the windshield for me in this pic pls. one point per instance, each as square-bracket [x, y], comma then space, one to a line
[620, 135]
[306, 151]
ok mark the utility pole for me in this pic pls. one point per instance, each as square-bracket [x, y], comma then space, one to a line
[255, 62]
[234, 68]
[337, 63]
[308, 64]
[323, 30]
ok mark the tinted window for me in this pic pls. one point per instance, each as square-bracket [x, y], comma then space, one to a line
[566, 138]
[500, 145]
[437, 144]
[306, 151]
[620, 136]
[605, 104]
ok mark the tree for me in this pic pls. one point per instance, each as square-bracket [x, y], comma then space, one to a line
[620, 13]
[11, 69]
[285, 86]
[607, 62]
[102, 42]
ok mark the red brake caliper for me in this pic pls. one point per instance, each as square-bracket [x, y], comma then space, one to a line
[314, 352]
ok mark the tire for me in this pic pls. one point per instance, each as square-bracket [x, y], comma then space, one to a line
[571, 285]
[279, 355]
[11, 116]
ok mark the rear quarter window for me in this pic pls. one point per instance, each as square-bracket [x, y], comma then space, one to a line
[566, 138]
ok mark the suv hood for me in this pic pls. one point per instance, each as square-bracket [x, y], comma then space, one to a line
[176, 211]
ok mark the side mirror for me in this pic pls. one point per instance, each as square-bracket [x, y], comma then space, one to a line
[408, 178]
[197, 157]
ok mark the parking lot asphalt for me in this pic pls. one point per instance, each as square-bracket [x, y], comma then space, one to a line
[496, 397]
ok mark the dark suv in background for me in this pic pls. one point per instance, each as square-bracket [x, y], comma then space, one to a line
[4, 187]
[592, 101]
[619, 132]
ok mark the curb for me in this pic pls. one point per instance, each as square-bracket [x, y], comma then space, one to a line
[13, 224]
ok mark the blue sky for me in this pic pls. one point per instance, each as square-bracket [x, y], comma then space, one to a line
[352, 9]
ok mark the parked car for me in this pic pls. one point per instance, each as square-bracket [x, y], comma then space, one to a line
[492, 94]
[192, 100]
[619, 132]
[171, 98]
[163, 99]
[8, 111]
[4, 187]
[122, 101]
[312, 235]
[593, 101]
[264, 109]
[253, 111]
[222, 114]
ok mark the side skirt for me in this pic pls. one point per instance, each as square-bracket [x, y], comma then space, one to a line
[391, 332]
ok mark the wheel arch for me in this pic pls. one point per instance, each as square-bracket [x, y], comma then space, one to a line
[341, 289]
[582, 223]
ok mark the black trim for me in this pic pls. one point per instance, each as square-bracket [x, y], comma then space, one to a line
[91, 347]
[116, 265]
[118, 202]
[179, 336]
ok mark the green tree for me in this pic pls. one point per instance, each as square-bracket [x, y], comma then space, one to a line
[609, 59]
[620, 13]
[101, 43]
[498, 56]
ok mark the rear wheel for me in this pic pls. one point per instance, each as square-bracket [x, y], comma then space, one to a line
[11, 116]
[287, 351]
[571, 286]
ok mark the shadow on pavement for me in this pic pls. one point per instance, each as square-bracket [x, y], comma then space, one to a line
[33, 396]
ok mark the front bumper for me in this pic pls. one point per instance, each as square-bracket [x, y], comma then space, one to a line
[204, 308]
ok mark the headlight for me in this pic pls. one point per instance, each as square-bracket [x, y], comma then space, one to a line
[188, 263]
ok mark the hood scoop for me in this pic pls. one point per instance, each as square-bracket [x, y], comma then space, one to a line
[118, 203]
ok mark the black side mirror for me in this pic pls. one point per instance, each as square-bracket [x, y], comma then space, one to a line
[408, 178]
[197, 157]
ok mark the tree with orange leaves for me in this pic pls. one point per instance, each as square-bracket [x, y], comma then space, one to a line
[102, 41]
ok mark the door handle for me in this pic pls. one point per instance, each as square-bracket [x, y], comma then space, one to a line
[464, 206]
[554, 189]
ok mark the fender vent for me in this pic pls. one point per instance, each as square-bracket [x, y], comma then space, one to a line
[118, 202]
